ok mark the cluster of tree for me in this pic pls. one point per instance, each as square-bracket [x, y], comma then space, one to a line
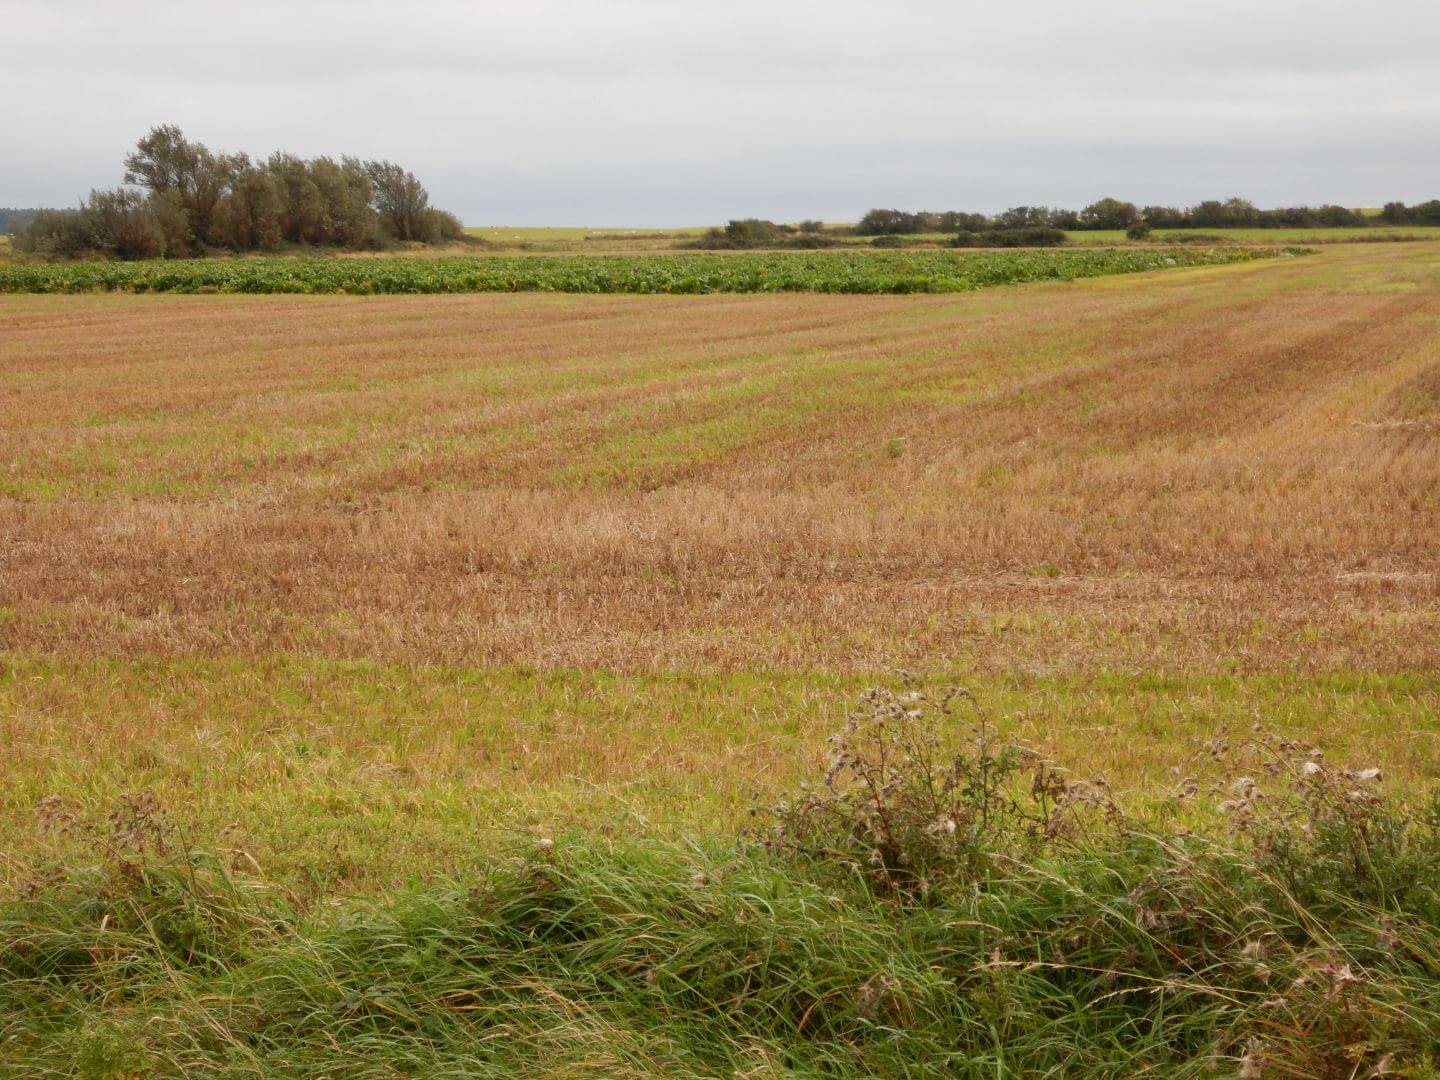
[185, 199]
[1243, 214]
[903, 223]
[1426, 213]
[1105, 214]
[1117, 214]
[742, 233]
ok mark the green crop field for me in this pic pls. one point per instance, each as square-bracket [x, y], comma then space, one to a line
[827, 272]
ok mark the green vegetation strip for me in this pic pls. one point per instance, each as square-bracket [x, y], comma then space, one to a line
[930, 908]
[829, 272]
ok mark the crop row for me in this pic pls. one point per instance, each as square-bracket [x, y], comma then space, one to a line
[828, 272]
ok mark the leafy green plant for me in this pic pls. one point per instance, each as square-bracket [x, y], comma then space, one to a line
[748, 272]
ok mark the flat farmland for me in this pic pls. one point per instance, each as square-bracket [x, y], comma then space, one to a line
[355, 581]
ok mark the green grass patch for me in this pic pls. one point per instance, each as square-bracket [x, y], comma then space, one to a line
[354, 776]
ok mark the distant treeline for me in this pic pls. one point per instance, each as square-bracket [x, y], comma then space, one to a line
[745, 233]
[1117, 214]
[187, 200]
[13, 217]
[1426, 213]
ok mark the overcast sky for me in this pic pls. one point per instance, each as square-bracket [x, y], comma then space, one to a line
[672, 112]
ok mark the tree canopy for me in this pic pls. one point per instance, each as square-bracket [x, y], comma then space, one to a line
[184, 199]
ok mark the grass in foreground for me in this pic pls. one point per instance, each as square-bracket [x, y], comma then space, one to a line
[850, 272]
[338, 778]
[963, 908]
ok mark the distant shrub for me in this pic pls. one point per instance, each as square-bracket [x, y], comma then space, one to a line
[1034, 236]
[809, 242]
[1138, 231]
[64, 234]
[742, 234]
[738, 233]
[889, 240]
[754, 231]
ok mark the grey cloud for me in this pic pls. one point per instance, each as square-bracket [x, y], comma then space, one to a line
[636, 112]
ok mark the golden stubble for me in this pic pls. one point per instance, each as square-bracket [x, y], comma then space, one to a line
[1175, 470]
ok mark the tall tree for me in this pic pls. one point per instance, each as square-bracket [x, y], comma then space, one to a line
[1109, 214]
[165, 161]
[400, 199]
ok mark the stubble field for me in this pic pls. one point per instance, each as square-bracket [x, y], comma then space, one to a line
[354, 585]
